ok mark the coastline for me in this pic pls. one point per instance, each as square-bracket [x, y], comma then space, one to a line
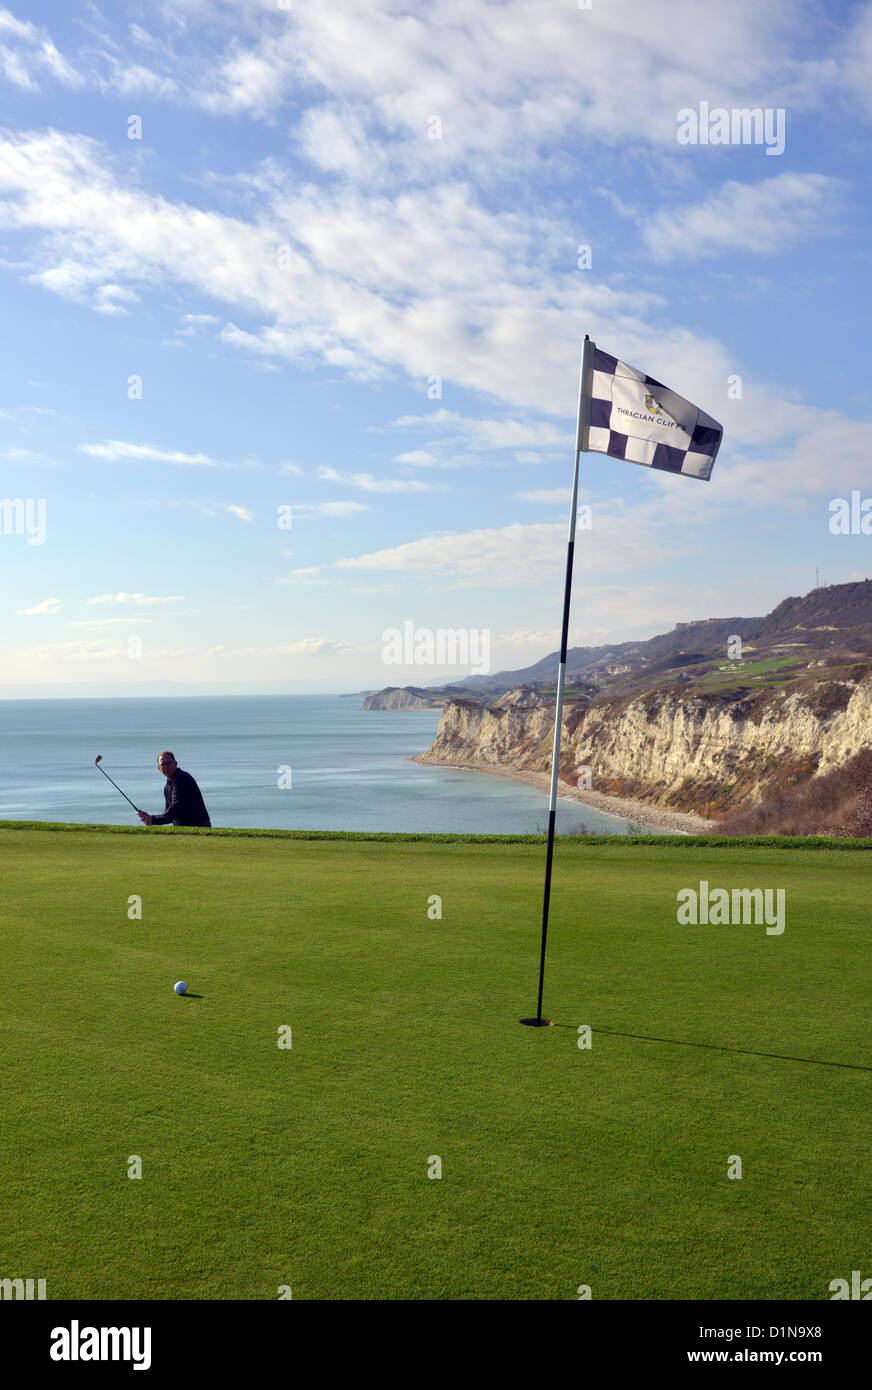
[623, 807]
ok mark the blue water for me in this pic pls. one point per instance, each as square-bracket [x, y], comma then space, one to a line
[349, 768]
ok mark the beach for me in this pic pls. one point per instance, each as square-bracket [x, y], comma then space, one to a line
[626, 808]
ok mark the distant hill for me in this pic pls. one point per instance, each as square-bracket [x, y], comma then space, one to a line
[838, 614]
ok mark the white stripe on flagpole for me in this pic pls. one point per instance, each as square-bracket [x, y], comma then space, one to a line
[582, 429]
[585, 384]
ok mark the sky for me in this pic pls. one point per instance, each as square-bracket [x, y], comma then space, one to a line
[293, 301]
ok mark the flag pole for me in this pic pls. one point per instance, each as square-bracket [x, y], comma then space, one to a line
[581, 433]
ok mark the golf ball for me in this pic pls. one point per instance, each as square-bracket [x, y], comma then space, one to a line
[181, 987]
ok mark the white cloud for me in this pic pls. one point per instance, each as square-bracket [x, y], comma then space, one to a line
[314, 646]
[138, 600]
[24, 455]
[855, 61]
[114, 450]
[330, 508]
[545, 495]
[54, 653]
[521, 554]
[98, 624]
[764, 218]
[482, 435]
[242, 512]
[134, 80]
[417, 458]
[357, 299]
[824, 452]
[525, 638]
[142, 36]
[368, 483]
[373, 73]
[308, 577]
[26, 50]
[110, 299]
[618, 612]
[48, 606]
[360, 79]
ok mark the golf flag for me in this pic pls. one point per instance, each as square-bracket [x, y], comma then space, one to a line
[628, 415]
[631, 416]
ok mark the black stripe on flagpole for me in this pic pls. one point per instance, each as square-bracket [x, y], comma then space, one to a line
[570, 555]
[580, 443]
[552, 814]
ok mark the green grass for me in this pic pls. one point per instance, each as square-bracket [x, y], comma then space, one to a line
[413, 837]
[308, 1167]
[771, 671]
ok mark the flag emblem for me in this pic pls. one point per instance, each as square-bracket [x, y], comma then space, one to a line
[633, 417]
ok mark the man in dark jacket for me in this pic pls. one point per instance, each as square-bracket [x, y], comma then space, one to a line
[184, 802]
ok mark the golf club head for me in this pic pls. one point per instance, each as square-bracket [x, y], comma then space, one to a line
[98, 759]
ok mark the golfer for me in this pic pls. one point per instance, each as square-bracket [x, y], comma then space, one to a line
[184, 801]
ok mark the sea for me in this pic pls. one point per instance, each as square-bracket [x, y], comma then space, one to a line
[296, 762]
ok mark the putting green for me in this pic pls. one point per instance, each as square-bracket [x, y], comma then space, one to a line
[307, 1167]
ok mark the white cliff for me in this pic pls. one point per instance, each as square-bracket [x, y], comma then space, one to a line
[665, 746]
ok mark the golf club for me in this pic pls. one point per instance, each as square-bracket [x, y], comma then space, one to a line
[97, 762]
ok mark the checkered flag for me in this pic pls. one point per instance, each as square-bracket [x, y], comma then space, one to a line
[631, 416]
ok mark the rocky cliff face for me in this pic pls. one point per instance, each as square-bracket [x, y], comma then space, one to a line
[400, 697]
[701, 752]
